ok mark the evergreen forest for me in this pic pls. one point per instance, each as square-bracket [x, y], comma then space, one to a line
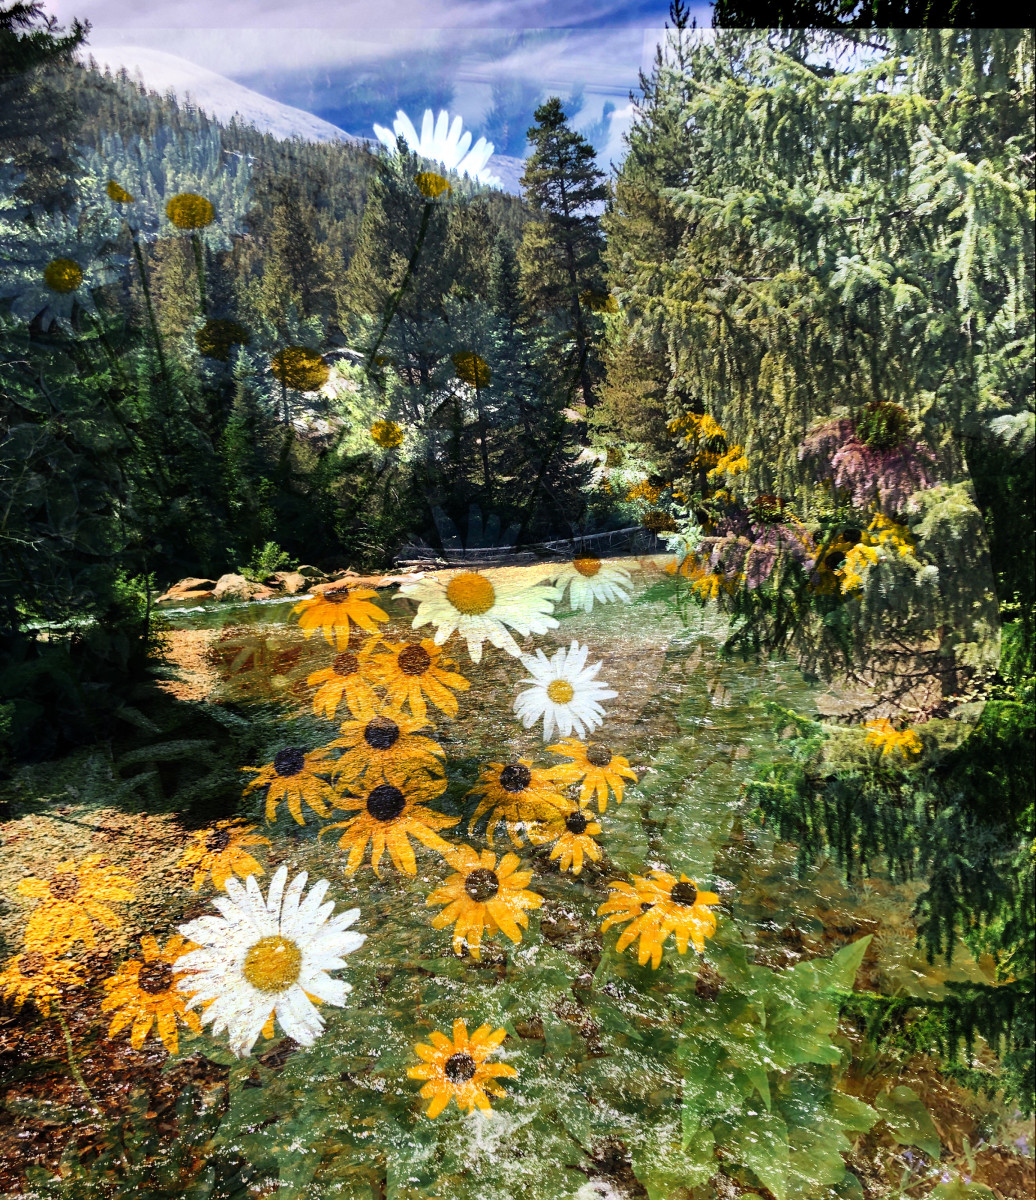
[760, 397]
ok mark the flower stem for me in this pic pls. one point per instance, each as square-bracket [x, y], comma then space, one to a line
[142, 271]
[199, 262]
[77, 1075]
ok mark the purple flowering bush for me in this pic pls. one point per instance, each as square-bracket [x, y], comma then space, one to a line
[871, 458]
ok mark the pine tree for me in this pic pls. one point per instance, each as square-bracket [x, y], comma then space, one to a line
[560, 252]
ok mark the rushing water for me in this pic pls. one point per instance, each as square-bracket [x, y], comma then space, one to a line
[608, 1055]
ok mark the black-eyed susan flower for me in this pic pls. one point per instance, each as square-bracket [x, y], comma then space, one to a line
[295, 777]
[117, 193]
[655, 907]
[217, 337]
[573, 837]
[220, 852]
[143, 994]
[332, 609]
[594, 768]
[350, 677]
[70, 900]
[299, 368]
[431, 185]
[387, 434]
[519, 795]
[267, 955]
[389, 816]
[381, 745]
[893, 742]
[563, 691]
[587, 579]
[472, 369]
[483, 896]
[411, 671]
[456, 1069]
[479, 604]
[37, 976]
[190, 211]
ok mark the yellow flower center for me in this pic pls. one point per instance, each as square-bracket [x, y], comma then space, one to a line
[62, 275]
[190, 211]
[273, 964]
[587, 566]
[560, 691]
[471, 593]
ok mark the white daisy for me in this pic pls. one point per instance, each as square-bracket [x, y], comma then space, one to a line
[441, 142]
[54, 267]
[563, 691]
[478, 604]
[267, 958]
[589, 579]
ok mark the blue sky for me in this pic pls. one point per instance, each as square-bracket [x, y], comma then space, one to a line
[354, 62]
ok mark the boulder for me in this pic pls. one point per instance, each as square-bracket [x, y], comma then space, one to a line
[290, 582]
[190, 589]
[311, 573]
[237, 587]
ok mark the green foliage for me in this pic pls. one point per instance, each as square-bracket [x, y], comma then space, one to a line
[265, 561]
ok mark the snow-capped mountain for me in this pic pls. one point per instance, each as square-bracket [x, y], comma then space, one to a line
[216, 95]
[223, 99]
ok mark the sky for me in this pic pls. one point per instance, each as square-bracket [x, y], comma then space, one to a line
[354, 62]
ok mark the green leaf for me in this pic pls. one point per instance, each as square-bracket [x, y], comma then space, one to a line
[906, 1116]
[957, 1189]
[760, 1142]
[663, 1164]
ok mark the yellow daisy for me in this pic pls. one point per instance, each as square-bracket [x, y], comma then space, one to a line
[519, 795]
[143, 993]
[389, 816]
[657, 907]
[595, 767]
[483, 895]
[219, 851]
[892, 741]
[381, 746]
[349, 675]
[574, 840]
[334, 607]
[36, 976]
[70, 901]
[410, 671]
[456, 1069]
[294, 776]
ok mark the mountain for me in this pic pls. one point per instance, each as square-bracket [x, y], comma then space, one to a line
[223, 99]
[216, 95]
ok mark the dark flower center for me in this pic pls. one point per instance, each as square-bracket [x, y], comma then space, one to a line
[684, 892]
[64, 886]
[386, 802]
[289, 761]
[482, 885]
[459, 1068]
[31, 963]
[852, 535]
[834, 560]
[515, 777]
[345, 664]
[575, 823]
[414, 660]
[155, 977]
[217, 841]
[598, 756]
[646, 906]
[380, 733]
